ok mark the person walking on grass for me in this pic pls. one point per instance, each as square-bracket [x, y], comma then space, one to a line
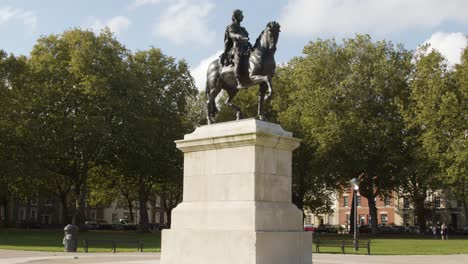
[444, 230]
[437, 230]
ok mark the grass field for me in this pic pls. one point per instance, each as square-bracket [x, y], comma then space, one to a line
[51, 240]
[404, 245]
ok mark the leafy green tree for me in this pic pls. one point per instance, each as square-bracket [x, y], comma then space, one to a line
[67, 112]
[152, 114]
[437, 110]
[15, 167]
[457, 156]
[341, 98]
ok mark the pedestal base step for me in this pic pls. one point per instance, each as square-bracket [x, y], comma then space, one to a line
[235, 247]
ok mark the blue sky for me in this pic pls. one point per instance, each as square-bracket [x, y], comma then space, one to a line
[193, 29]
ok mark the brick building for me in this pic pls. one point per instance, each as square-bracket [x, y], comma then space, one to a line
[387, 210]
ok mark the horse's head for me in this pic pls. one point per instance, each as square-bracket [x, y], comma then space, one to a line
[269, 37]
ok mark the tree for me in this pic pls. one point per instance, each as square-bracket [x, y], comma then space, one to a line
[342, 100]
[436, 110]
[67, 114]
[15, 167]
[457, 155]
[152, 115]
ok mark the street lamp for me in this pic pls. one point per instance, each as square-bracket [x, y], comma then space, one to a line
[355, 185]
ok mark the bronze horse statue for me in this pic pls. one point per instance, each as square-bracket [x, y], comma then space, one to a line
[258, 69]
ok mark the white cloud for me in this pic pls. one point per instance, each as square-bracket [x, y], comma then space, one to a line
[362, 16]
[199, 72]
[184, 22]
[450, 45]
[116, 24]
[139, 3]
[8, 14]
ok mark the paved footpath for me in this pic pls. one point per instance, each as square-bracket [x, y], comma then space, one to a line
[34, 257]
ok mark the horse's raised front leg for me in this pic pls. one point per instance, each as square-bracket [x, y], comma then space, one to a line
[231, 94]
[264, 79]
[211, 104]
[261, 100]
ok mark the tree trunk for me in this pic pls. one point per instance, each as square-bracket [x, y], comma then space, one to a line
[81, 196]
[143, 200]
[130, 209]
[169, 216]
[420, 211]
[75, 204]
[6, 214]
[465, 206]
[65, 212]
[373, 213]
[299, 180]
[352, 216]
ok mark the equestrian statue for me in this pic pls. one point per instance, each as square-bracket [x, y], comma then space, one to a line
[242, 65]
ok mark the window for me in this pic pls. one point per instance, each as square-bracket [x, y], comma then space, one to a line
[437, 202]
[92, 215]
[460, 203]
[46, 220]
[346, 201]
[330, 219]
[308, 220]
[405, 219]
[48, 202]
[34, 201]
[127, 216]
[383, 219]
[369, 220]
[358, 200]
[22, 214]
[362, 219]
[348, 219]
[2, 215]
[387, 201]
[33, 214]
[114, 218]
[405, 203]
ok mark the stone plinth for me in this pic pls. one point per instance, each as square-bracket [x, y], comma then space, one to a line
[236, 205]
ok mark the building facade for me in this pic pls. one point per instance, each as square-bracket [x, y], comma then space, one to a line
[48, 213]
[441, 206]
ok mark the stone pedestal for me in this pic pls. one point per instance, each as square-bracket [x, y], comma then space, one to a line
[236, 205]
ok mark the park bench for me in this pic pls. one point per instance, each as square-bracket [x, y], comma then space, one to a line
[342, 244]
[113, 244]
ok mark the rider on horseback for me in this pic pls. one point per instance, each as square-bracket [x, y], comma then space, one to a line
[236, 46]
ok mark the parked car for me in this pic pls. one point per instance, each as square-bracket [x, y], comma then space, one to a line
[326, 228]
[157, 226]
[397, 229]
[103, 225]
[412, 230]
[98, 224]
[310, 228]
[383, 229]
[364, 229]
[91, 225]
[465, 230]
[122, 224]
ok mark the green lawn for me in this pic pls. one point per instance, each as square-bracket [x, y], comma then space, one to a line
[405, 245]
[51, 240]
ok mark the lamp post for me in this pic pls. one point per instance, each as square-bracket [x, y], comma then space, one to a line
[355, 185]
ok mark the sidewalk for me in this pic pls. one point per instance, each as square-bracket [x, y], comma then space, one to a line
[34, 257]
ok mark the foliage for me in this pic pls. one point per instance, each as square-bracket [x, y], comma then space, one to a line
[341, 98]
[437, 112]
